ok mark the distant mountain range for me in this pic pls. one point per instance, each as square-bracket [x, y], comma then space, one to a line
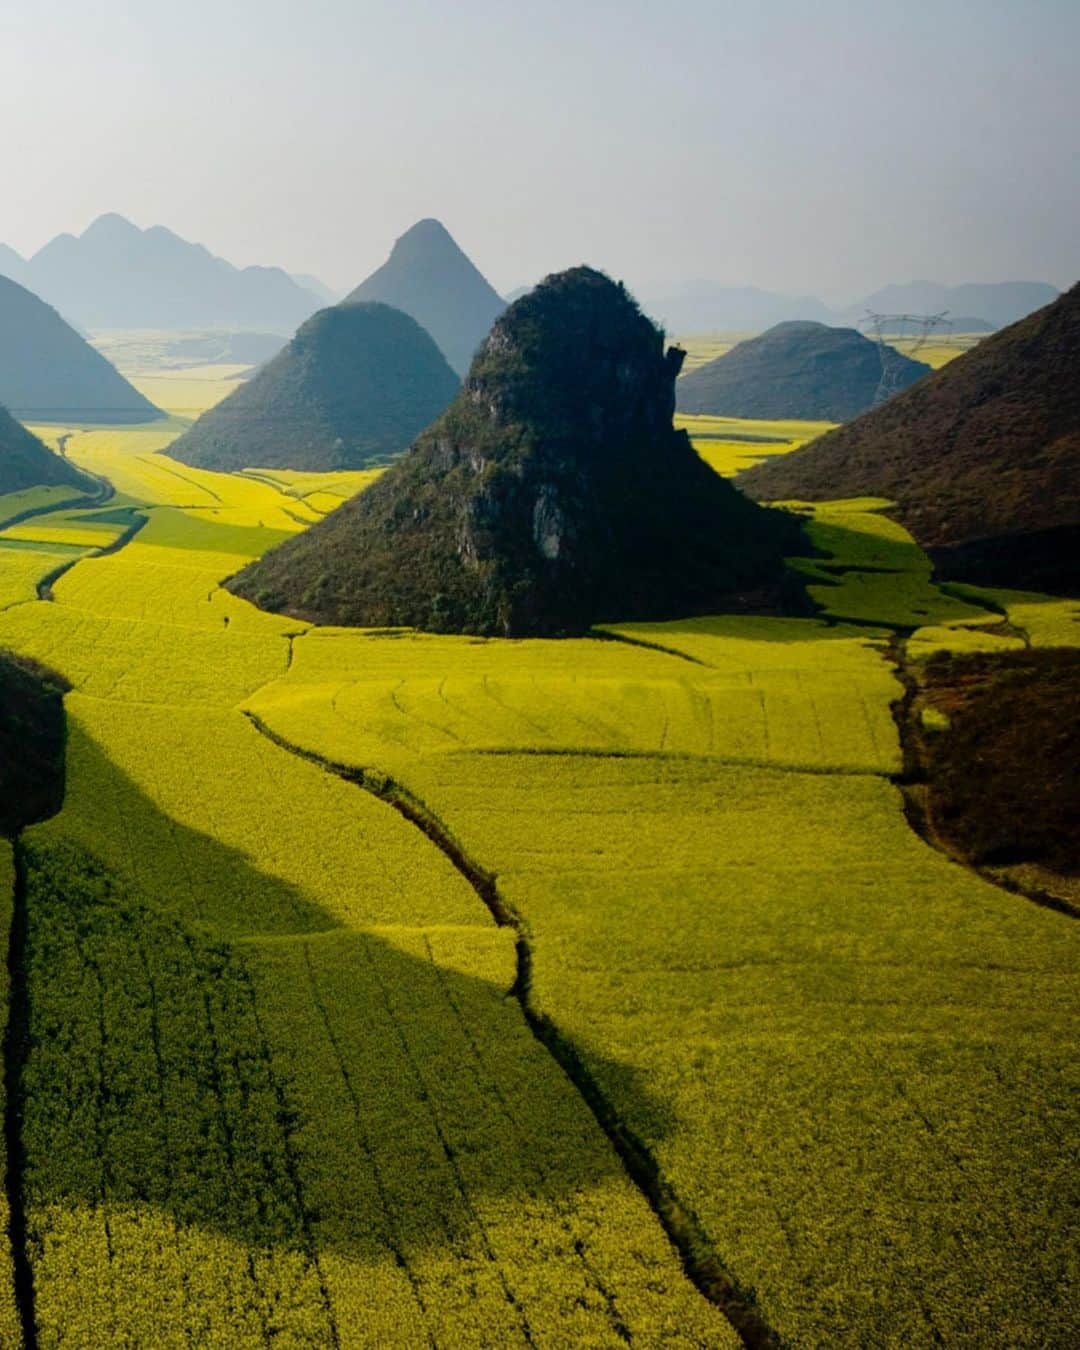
[115, 275]
[708, 307]
[997, 303]
[316, 286]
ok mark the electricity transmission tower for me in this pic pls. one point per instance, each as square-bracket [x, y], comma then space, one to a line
[884, 326]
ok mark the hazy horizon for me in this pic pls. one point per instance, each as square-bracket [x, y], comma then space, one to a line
[823, 149]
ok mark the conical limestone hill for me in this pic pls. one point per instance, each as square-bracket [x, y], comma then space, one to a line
[795, 370]
[428, 276]
[552, 494]
[354, 387]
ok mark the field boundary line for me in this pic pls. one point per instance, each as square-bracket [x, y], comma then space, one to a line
[682, 1227]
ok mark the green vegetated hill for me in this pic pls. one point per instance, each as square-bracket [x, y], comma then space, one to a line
[553, 493]
[356, 385]
[799, 369]
[26, 462]
[49, 373]
[982, 457]
[31, 743]
[428, 276]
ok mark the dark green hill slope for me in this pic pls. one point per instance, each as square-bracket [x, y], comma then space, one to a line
[25, 462]
[982, 457]
[799, 369]
[31, 744]
[355, 385]
[553, 493]
[48, 373]
[429, 277]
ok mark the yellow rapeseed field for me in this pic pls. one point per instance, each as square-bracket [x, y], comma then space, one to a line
[278, 1087]
[280, 1083]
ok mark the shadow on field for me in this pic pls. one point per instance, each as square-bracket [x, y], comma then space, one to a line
[377, 1096]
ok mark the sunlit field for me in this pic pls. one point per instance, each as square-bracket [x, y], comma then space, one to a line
[308, 1068]
[189, 392]
[940, 349]
[731, 444]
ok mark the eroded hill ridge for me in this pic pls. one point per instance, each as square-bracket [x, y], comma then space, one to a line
[553, 493]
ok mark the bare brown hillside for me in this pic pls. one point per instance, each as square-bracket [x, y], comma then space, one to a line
[982, 457]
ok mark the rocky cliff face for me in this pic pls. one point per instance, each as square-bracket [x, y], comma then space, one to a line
[553, 493]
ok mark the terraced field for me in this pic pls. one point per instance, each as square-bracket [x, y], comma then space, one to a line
[387, 989]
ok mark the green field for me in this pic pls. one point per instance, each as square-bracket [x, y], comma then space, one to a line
[647, 975]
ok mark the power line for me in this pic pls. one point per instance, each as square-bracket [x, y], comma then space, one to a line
[892, 361]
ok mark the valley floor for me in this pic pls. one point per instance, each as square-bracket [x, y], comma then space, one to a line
[373, 988]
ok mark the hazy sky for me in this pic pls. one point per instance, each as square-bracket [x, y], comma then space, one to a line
[822, 146]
